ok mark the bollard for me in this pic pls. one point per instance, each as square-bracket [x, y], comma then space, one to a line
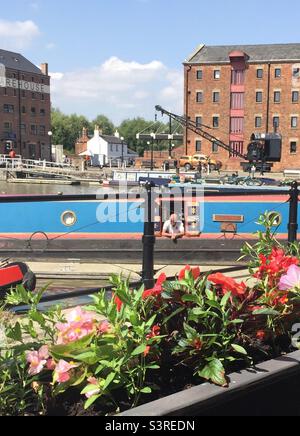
[148, 242]
[293, 217]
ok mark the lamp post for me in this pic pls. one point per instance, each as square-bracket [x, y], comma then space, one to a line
[122, 139]
[50, 134]
[152, 151]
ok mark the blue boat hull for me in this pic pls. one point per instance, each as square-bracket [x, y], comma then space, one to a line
[111, 228]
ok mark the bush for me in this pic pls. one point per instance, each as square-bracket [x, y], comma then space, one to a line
[141, 344]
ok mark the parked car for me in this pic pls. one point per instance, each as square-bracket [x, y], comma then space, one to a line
[192, 162]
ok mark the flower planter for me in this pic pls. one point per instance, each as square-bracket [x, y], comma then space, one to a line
[209, 399]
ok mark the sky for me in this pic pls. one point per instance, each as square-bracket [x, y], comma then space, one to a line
[122, 57]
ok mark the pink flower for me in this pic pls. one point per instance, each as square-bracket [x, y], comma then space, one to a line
[51, 365]
[61, 373]
[291, 279]
[79, 324]
[37, 360]
[103, 328]
[96, 391]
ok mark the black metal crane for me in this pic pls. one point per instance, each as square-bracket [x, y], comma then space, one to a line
[199, 130]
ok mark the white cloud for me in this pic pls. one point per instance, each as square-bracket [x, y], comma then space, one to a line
[118, 89]
[50, 46]
[17, 35]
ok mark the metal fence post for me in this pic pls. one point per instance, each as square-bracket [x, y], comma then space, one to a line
[148, 241]
[293, 217]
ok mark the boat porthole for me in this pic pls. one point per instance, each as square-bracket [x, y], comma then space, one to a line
[275, 218]
[69, 218]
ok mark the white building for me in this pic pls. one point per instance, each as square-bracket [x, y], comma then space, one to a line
[104, 149]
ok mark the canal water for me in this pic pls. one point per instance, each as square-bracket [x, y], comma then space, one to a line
[29, 189]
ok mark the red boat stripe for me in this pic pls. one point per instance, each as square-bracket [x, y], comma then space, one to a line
[10, 275]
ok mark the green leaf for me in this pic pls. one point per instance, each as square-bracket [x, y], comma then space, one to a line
[239, 349]
[91, 401]
[210, 295]
[109, 380]
[166, 320]
[267, 312]
[139, 350]
[190, 298]
[214, 371]
[65, 350]
[89, 388]
[225, 299]
[146, 391]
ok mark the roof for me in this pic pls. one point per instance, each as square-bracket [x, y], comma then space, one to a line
[17, 62]
[112, 139]
[256, 53]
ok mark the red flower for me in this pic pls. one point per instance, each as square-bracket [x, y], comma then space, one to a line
[118, 302]
[158, 288]
[195, 272]
[261, 335]
[154, 332]
[228, 284]
[278, 298]
[197, 344]
[275, 265]
[147, 351]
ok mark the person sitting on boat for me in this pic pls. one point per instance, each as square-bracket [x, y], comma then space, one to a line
[173, 228]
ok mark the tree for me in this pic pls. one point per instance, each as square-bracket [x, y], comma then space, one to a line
[105, 125]
[67, 128]
[130, 128]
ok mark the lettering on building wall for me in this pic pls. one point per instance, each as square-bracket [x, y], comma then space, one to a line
[7, 82]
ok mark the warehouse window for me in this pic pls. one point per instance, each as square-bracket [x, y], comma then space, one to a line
[216, 97]
[7, 127]
[293, 147]
[198, 146]
[199, 75]
[33, 129]
[8, 108]
[277, 73]
[259, 97]
[23, 128]
[260, 73]
[215, 147]
[198, 121]
[258, 122]
[276, 122]
[199, 97]
[237, 100]
[294, 122]
[277, 97]
[296, 73]
[217, 74]
[42, 130]
[295, 96]
[237, 77]
[216, 122]
[237, 147]
[237, 125]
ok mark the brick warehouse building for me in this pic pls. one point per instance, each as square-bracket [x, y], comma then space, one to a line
[25, 108]
[239, 90]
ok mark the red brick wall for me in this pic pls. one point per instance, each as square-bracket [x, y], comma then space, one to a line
[38, 141]
[285, 109]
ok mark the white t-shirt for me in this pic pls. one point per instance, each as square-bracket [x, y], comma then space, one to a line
[173, 230]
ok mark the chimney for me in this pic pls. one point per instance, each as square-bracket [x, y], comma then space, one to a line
[45, 69]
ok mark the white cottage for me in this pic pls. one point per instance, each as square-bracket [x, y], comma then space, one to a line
[104, 149]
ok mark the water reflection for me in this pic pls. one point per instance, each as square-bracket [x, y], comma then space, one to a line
[32, 189]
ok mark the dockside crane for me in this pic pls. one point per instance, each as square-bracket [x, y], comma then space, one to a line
[263, 148]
